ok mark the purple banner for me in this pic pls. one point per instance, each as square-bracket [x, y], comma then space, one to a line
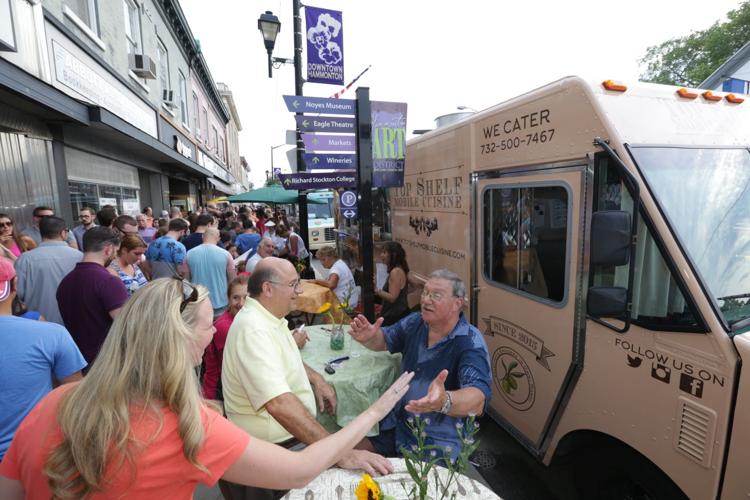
[332, 142]
[325, 46]
[315, 180]
[388, 143]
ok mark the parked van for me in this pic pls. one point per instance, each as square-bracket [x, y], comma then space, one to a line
[603, 231]
[320, 219]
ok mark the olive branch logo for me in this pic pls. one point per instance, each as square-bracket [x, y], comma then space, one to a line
[508, 382]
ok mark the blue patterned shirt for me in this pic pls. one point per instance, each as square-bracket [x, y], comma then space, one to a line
[463, 353]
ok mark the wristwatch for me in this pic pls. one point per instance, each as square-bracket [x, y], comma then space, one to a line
[448, 403]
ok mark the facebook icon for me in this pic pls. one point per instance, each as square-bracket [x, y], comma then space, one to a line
[691, 385]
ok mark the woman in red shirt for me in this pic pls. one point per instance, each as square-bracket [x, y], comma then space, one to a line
[212, 359]
[137, 427]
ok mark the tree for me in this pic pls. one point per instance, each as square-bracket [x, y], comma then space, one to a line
[690, 59]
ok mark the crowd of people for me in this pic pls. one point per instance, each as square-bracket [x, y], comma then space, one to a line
[146, 352]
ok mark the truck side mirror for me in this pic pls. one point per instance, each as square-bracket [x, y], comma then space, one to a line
[607, 301]
[610, 237]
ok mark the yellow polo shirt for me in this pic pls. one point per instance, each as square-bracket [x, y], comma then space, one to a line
[261, 362]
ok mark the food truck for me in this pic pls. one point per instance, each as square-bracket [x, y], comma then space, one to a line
[603, 232]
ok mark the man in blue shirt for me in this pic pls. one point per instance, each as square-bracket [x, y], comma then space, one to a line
[34, 354]
[212, 267]
[451, 363]
[248, 240]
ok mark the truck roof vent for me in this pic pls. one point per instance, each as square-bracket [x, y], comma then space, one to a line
[696, 432]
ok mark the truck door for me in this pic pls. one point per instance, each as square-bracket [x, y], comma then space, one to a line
[528, 227]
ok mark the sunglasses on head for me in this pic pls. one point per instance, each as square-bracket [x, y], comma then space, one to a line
[189, 293]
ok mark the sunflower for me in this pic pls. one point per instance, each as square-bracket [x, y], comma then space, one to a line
[324, 308]
[368, 489]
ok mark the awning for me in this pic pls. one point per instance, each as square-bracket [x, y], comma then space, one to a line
[221, 186]
[114, 129]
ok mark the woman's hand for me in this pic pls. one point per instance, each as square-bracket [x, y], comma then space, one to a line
[392, 395]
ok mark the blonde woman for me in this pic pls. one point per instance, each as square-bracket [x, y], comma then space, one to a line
[137, 427]
[340, 278]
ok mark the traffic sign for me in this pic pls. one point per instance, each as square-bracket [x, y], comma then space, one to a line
[349, 213]
[323, 105]
[306, 123]
[348, 199]
[330, 161]
[329, 142]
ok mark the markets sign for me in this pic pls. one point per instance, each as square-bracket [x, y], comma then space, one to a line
[330, 161]
[330, 142]
[388, 143]
[316, 180]
[325, 46]
[324, 105]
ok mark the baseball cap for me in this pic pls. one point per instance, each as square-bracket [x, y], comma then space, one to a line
[7, 273]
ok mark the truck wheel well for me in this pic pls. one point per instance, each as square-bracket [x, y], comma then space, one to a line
[601, 463]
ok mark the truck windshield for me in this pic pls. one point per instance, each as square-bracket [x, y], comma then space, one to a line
[319, 210]
[706, 196]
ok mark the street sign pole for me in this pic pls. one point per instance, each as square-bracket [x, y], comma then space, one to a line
[364, 188]
[298, 81]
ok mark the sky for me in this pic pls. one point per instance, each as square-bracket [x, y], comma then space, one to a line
[434, 56]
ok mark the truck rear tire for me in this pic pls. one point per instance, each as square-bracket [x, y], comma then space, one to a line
[622, 474]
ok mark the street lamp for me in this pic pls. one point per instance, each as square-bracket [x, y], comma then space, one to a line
[269, 25]
[275, 147]
[466, 108]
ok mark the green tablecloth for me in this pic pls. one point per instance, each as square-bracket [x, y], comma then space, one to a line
[359, 381]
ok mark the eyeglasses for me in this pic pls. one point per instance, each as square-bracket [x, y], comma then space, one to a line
[6, 224]
[294, 284]
[189, 293]
[434, 296]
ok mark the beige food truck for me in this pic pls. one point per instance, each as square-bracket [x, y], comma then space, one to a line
[603, 232]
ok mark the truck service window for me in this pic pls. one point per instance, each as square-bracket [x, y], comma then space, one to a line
[658, 301]
[705, 194]
[525, 239]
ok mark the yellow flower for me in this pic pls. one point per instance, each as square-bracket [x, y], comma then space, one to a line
[324, 308]
[368, 489]
[343, 305]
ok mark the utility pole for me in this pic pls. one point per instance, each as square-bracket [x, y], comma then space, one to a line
[298, 81]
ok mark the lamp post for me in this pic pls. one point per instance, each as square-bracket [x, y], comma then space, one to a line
[269, 25]
[466, 108]
[272, 148]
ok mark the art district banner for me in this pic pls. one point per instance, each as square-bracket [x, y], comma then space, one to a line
[325, 46]
[388, 143]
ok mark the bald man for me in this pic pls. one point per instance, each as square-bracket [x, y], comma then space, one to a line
[212, 267]
[268, 390]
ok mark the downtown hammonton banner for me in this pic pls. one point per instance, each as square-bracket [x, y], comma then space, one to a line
[325, 46]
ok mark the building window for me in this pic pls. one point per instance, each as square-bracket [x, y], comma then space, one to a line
[163, 60]
[196, 116]
[89, 195]
[132, 26]
[213, 144]
[85, 10]
[204, 125]
[183, 100]
[525, 239]
[222, 155]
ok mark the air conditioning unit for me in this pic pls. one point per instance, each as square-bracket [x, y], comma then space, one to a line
[143, 66]
[167, 97]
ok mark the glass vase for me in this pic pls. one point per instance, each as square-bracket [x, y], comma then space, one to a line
[337, 337]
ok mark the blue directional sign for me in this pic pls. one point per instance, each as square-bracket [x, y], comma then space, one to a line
[306, 123]
[328, 142]
[322, 105]
[348, 204]
[330, 161]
